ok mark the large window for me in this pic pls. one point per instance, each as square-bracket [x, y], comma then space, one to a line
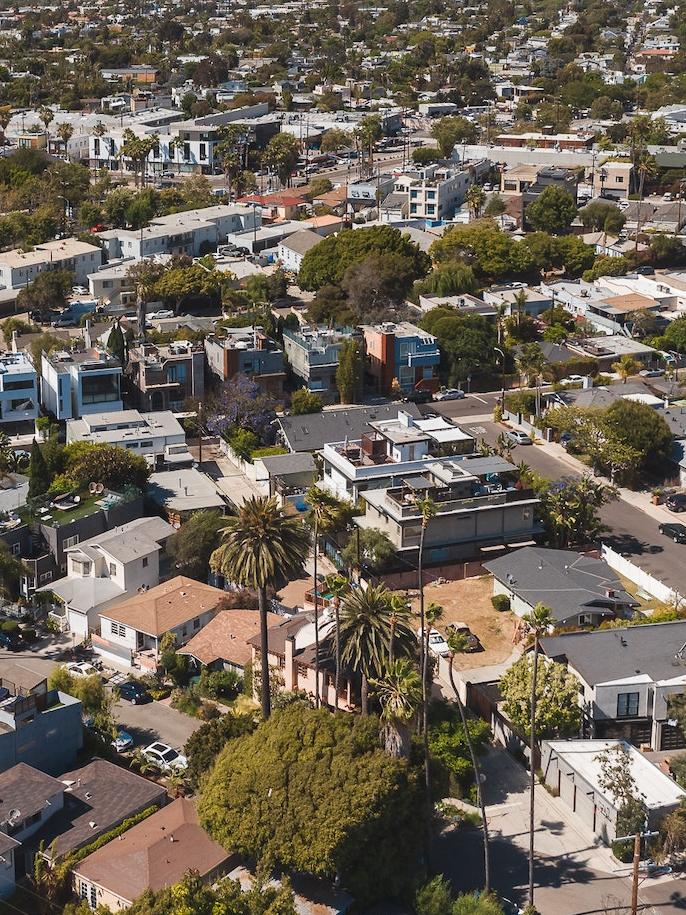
[100, 388]
[627, 705]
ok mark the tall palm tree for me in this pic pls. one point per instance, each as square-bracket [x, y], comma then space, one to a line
[458, 644]
[262, 548]
[427, 510]
[538, 621]
[338, 586]
[322, 515]
[476, 197]
[365, 627]
[399, 691]
[400, 610]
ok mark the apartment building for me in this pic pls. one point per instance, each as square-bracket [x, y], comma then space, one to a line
[165, 377]
[112, 286]
[158, 436]
[313, 356]
[479, 505]
[401, 353]
[18, 268]
[433, 192]
[246, 351]
[535, 140]
[530, 181]
[18, 388]
[74, 384]
[611, 179]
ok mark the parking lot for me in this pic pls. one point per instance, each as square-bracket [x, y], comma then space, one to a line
[155, 721]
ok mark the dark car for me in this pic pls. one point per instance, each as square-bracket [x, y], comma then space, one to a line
[676, 502]
[134, 693]
[10, 640]
[418, 397]
[676, 532]
[645, 270]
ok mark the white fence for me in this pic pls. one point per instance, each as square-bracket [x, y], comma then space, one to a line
[640, 577]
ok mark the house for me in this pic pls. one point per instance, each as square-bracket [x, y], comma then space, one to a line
[158, 437]
[580, 590]
[313, 356]
[292, 250]
[574, 769]
[478, 506]
[18, 268]
[401, 353]
[76, 383]
[66, 813]
[180, 493]
[309, 433]
[223, 644]
[154, 854]
[18, 389]
[431, 192]
[131, 631]
[246, 351]
[627, 676]
[112, 285]
[516, 297]
[165, 377]
[287, 476]
[611, 347]
[105, 568]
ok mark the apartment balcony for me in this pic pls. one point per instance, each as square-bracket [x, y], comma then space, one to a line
[407, 507]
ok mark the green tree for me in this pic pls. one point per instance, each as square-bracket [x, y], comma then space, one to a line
[476, 198]
[446, 279]
[281, 155]
[262, 548]
[641, 427]
[530, 361]
[626, 367]
[477, 904]
[337, 586]
[557, 709]
[466, 342]
[449, 131]
[606, 266]
[399, 692]
[335, 139]
[110, 465]
[433, 897]
[349, 371]
[193, 544]
[491, 253]
[602, 217]
[570, 510]
[425, 155]
[273, 785]
[205, 744]
[47, 291]
[372, 546]
[496, 206]
[116, 344]
[39, 476]
[675, 333]
[552, 211]
[304, 401]
[178, 284]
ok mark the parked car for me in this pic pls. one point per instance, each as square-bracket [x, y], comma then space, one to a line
[565, 439]
[156, 315]
[651, 373]
[471, 642]
[165, 757]
[516, 437]
[676, 502]
[134, 692]
[418, 397]
[449, 394]
[10, 640]
[645, 270]
[81, 669]
[571, 379]
[437, 644]
[676, 532]
[123, 741]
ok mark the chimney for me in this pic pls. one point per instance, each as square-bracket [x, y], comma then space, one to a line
[289, 672]
[14, 341]
[87, 334]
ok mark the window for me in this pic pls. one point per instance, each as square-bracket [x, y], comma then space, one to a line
[45, 576]
[145, 562]
[113, 568]
[203, 151]
[118, 629]
[16, 549]
[196, 623]
[70, 541]
[627, 705]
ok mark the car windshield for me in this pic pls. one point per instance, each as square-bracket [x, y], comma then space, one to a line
[169, 756]
[435, 638]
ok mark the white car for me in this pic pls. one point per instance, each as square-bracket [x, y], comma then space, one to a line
[156, 315]
[572, 379]
[81, 669]
[449, 394]
[165, 757]
[437, 644]
[516, 437]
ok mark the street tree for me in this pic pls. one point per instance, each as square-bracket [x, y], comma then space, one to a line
[450, 131]
[281, 156]
[552, 211]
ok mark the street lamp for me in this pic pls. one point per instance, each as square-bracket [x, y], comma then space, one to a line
[502, 375]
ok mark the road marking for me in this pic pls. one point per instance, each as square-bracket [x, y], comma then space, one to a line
[477, 398]
[477, 430]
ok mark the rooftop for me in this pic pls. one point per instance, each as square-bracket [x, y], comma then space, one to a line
[184, 490]
[226, 637]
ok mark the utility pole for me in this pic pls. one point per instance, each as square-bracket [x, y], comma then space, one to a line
[636, 839]
[199, 434]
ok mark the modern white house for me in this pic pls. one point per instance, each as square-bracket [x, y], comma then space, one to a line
[18, 388]
[105, 569]
[158, 437]
[77, 383]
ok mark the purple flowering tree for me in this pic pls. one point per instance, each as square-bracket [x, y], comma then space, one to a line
[241, 404]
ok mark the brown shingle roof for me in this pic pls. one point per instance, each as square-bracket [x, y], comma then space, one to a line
[156, 853]
[166, 606]
[25, 789]
[226, 637]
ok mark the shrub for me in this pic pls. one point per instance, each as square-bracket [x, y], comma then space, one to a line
[9, 626]
[501, 602]
[521, 402]
[219, 683]
[29, 635]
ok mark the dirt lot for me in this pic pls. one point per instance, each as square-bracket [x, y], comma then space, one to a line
[469, 601]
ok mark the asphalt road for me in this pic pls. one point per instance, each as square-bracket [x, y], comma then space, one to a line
[155, 721]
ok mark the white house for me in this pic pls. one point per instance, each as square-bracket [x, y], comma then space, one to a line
[159, 436]
[292, 250]
[18, 268]
[76, 383]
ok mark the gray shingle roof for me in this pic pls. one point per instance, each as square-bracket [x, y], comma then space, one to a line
[612, 654]
[313, 431]
[563, 580]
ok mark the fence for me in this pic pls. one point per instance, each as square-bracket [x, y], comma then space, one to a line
[455, 571]
[638, 576]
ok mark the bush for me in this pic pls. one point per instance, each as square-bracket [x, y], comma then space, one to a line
[501, 603]
[9, 626]
[219, 683]
[523, 402]
[29, 635]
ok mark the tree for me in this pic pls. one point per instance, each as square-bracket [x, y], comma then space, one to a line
[364, 632]
[667, 251]
[241, 403]
[675, 333]
[495, 207]
[281, 155]
[116, 344]
[337, 586]
[476, 197]
[558, 713]
[335, 139]
[446, 279]
[349, 371]
[47, 116]
[11, 570]
[434, 897]
[552, 211]
[229, 152]
[530, 361]
[39, 476]
[46, 292]
[490, 252]
[261, 548]
[273, 785]
[570, 510]
[449, 131]
[606, 266]
[377, 284]
[322, 516]
[640, 426]
[368, 133]
[65, 132]
[399, 691]
[425, 155]
[368, 548]
[477, 904]
[114, 467]
[205, 744]
[599, 216]
[193, 544]
[626, 367]
[466, 342]
[304, 401]
[617, 780]
[178, 284]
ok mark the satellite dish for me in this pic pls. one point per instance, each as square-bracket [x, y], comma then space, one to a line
[14, 816]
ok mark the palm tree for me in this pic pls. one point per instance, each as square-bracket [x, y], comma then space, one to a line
[626, 367]
[538, 621]
[400, 610]
[399, 691]
[476, 197]
[65, 132]
[338, 586]
[323, 514]
[646, 169]
[46, 115]
[458, 644]
[365, 628]
[427, 509]
[262, 548]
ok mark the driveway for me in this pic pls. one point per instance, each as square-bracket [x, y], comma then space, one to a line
[155, 721]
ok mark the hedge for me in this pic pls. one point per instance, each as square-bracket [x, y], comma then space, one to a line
[501, 602]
